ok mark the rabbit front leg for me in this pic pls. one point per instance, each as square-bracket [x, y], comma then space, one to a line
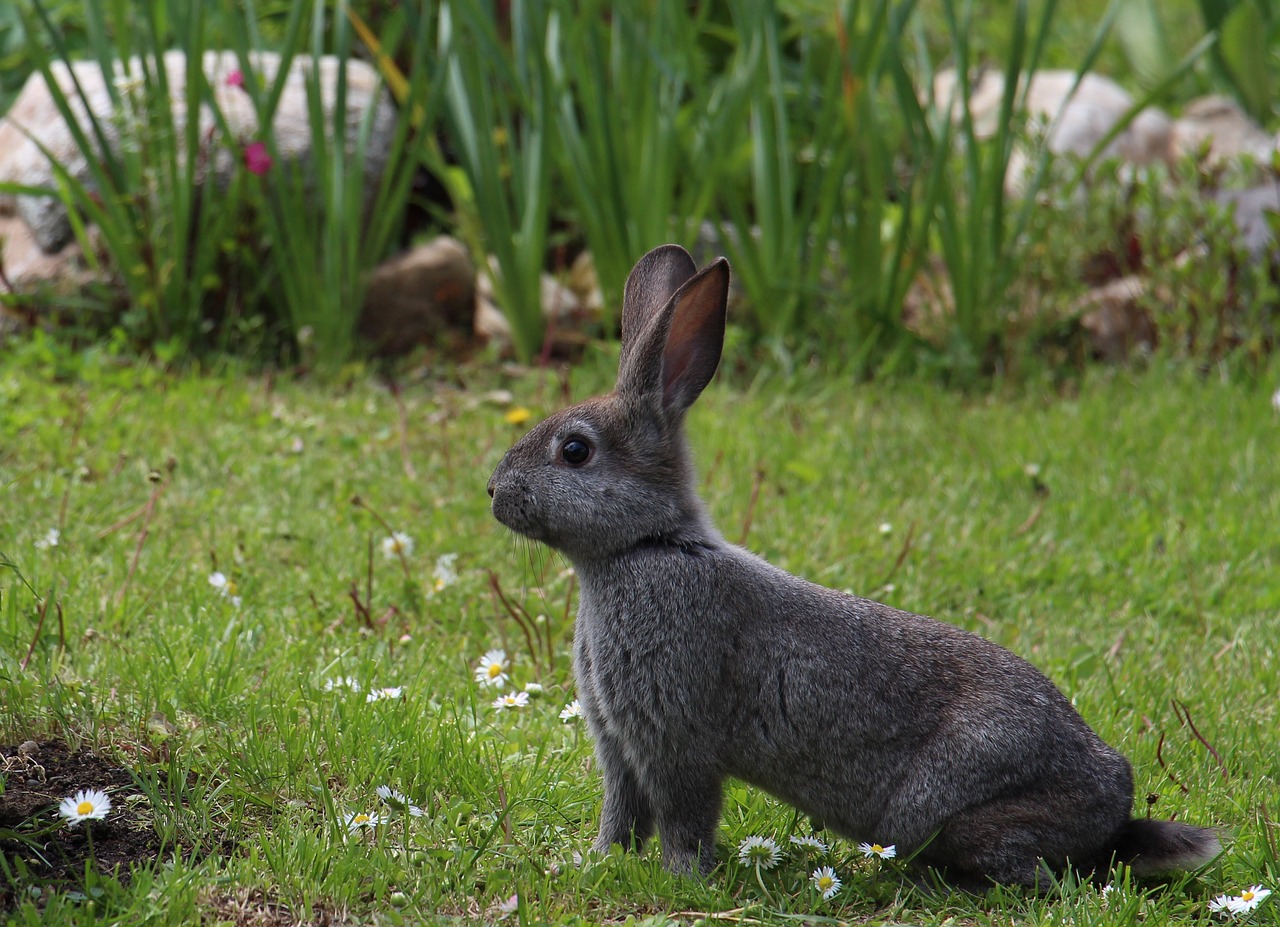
[687, 805]
[627, 817]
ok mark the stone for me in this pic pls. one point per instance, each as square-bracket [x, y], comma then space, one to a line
[27, 270]
[34, 121]
[1217, 125]
[1253, 211]
[1113, 318]
[1075, 118]
[564, 313]
[418, 296]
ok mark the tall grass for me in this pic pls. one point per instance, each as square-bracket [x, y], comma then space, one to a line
[638, 127]
[196, 262]
[804, 137]
[498, 109]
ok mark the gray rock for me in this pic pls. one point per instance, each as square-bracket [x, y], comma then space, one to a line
[1220, 125]
[1252, 211]
[1074, 118]
[418, 296]
[34, 121]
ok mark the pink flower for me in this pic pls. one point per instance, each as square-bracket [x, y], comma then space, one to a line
[236, 79]
[257, 159]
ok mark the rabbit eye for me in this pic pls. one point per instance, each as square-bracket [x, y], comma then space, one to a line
[575, 452]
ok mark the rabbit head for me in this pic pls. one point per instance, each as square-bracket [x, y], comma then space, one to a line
[614, 471]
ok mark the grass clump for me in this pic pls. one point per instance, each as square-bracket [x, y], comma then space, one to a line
[1120, 536]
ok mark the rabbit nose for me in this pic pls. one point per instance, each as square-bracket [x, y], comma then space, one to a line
[490, 487]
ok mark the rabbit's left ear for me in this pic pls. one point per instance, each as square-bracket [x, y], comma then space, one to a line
[678, 351]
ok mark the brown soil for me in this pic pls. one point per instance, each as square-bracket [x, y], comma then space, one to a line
[37, 847]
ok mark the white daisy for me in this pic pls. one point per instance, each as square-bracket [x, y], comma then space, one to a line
[1243, 903]
[85, 805]
[492, 670]
[445, 574]
[511, 700]
[571, 712]
[533, 688]
[225, 586]
[398, 545]
[358, 820]
[398, 801]
[342, 682]
[760, 851]
[50, 539]
[886, 528]
[826, 881]
[1250, 898]
[386, 692]
[875, 849]
[808, 842]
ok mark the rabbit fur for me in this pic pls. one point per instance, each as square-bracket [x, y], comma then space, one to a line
[697, 661]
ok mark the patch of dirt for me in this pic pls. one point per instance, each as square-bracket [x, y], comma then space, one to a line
[37, 846]
[246, 908]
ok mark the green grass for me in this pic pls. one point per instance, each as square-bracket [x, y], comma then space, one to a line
[1139, 567]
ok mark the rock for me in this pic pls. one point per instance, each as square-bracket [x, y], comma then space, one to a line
[1220, 124]
[1075, 120]
[29, 275]
[564, 313]
[1253, 211]
[415, 297]
[35, 121]
[1114, 320]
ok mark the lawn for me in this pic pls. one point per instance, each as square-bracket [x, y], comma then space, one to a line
[1120, 532]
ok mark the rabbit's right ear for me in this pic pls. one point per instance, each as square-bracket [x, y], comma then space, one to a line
[676, 353]
[650, 286]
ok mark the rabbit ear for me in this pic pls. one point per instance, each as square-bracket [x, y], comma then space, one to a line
[651, 284]
[677, 352]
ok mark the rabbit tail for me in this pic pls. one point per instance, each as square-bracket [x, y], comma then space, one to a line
[1149, 846]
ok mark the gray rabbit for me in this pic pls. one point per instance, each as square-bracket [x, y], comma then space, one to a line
[696, 660]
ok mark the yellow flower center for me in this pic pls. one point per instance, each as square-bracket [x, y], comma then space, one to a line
[85, 807]
[518, 416]
[825, 882]
[1246, 895]
[877, 849]
[360, 819]
[495, 670]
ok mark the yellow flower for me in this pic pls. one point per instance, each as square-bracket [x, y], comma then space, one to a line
[518, 415]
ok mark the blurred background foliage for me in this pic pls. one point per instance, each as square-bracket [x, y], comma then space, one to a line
[793, 137]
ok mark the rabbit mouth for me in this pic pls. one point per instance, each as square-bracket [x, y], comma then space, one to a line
[516, 510]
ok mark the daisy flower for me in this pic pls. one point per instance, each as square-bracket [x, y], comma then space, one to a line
[398, 545]
[492, 670]
[760, 851]
[225, 586]
[85, 805]
[808, 842]
[571, 712]
[533, 688]
[886, 528]
[358, 820]
[50, 539]
[1243, 903]
[512, 700]
[398, 801]
[825, 880]
[874, 849]
[377, 695]
[342, 682]
[445, 573]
